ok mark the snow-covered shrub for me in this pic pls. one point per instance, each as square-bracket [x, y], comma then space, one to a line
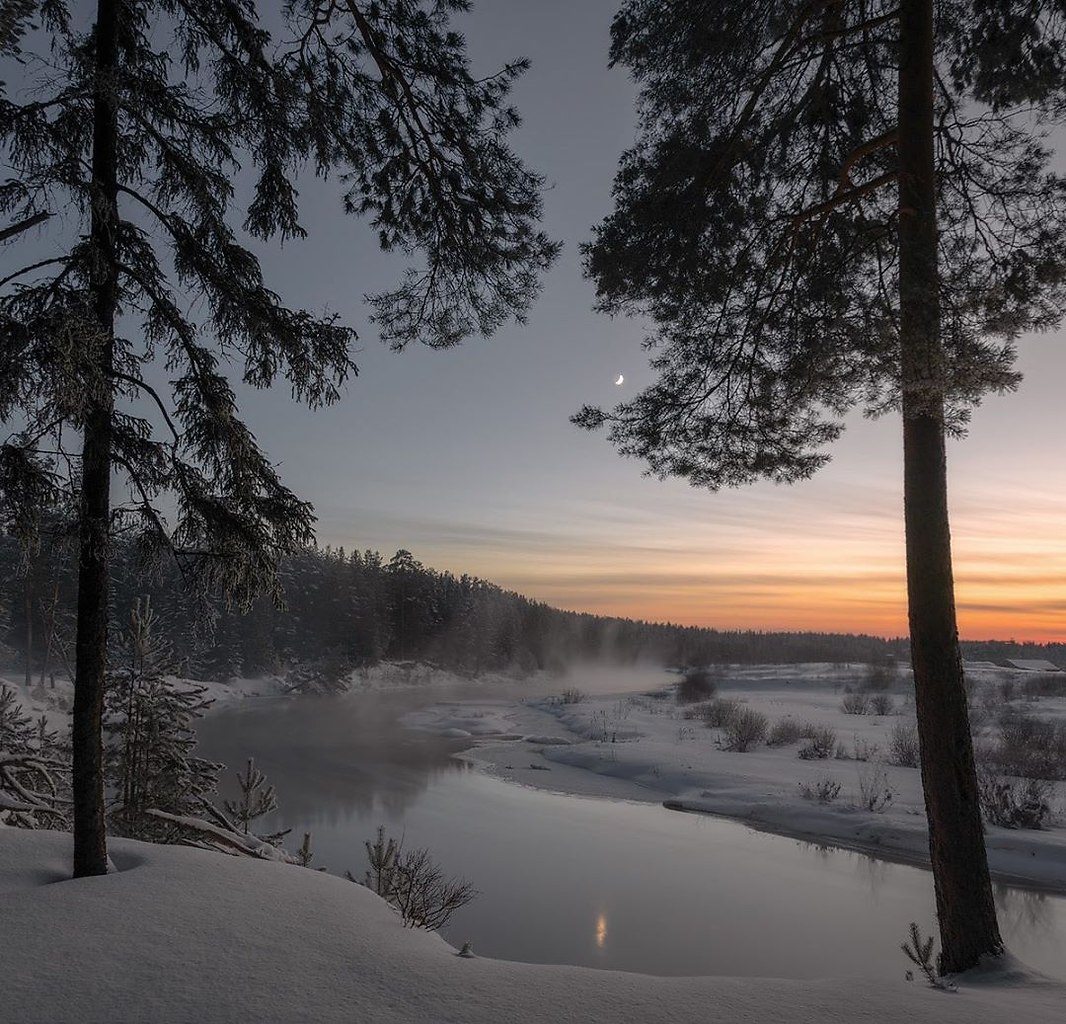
[148, 758]
[572, 695]
[744, 730]
[34, 769]
[331, 673]
[882, 704]
[718, 713]
[1030, 747]
[695, 712]
[783, 732]
[875, 794]
[1012, 802]
[697, 684]
[903, 745]
[855, 703]
[413, 883]
[1046, 684]
[824, 790]
[214, 831]
[821, 739]
[229, 831]
[879, 678]
[1006, 691]
[863, 749]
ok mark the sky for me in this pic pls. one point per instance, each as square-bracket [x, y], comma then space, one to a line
[467, 458]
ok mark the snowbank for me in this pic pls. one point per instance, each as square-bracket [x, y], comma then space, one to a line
[179, 935]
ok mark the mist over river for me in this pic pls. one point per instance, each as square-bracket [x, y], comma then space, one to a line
[603, 883]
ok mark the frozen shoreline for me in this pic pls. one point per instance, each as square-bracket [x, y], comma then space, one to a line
[638, 747]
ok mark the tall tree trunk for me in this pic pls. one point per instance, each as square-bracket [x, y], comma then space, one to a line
[90, 843]
[965, 908]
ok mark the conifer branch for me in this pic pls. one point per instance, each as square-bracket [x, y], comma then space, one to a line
[23, 225]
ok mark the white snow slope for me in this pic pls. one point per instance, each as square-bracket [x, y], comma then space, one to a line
[180, 935]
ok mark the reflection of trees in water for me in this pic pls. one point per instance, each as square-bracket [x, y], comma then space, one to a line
[1023, 911]
[330, 759]
[875, 871]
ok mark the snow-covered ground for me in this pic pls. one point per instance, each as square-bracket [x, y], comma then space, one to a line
[190, 937]
[640, 746]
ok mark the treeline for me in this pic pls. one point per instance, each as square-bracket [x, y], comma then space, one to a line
[344, 610]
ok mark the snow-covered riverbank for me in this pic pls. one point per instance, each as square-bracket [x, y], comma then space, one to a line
[179, 936]
[642, 747]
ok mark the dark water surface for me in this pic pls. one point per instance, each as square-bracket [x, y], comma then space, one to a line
[611, 884]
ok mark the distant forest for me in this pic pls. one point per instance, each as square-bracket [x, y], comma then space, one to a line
[342, 611]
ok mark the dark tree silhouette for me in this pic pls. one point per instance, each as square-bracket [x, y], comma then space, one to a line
[121, 331]
[832, 204]
[149, 758]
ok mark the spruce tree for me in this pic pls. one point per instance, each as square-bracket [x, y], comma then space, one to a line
[126, 321]
[34, 769]
[257, 798]
[835, 204]
[149, 761]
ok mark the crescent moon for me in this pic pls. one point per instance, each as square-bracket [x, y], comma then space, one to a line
[620, 380]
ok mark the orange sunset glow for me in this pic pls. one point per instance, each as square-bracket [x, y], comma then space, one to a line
[824, 555]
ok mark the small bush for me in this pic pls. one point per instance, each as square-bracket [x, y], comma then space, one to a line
[882, 704]
[1047, 684]
[694, 711]
[879, 677]
[820, 743]
[864, 750]
[855, 703]
[903, 745]
[1013, 803]
[875, 794]
[1030, 747]
[717, 714]
[572, 695]
[920, 953]
[746, 728]
[783, 732]
[825, 790]
[696, 684]
[413, 883]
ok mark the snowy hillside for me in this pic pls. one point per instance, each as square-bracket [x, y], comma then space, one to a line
[178, 935]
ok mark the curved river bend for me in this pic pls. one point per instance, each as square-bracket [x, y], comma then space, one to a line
[611, 884]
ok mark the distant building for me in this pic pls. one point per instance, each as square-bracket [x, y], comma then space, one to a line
[1030, 664]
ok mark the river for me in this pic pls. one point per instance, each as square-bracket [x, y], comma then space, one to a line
[602, 883]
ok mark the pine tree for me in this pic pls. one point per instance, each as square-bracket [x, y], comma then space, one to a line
[257, 798]
[834, 205]
[34, 770]
[149, 762]
[136, 127]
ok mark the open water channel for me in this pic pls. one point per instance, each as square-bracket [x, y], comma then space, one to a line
[603, 883]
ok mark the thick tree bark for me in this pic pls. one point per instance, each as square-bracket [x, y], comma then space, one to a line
[90, 843]
[965, 908]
